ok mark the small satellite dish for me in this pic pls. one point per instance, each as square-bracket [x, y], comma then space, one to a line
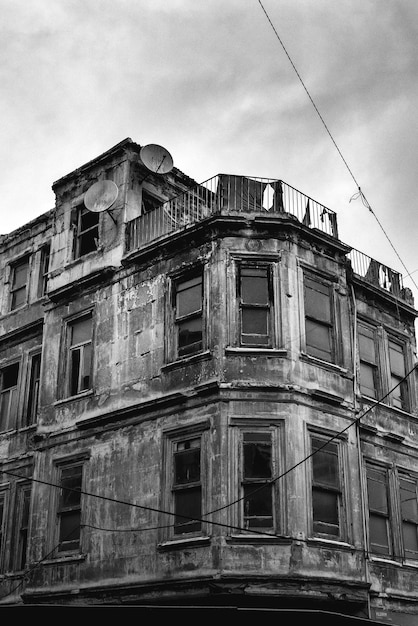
[101, 195]
[156, 158]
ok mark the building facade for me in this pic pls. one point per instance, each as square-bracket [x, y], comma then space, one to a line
[207, 399]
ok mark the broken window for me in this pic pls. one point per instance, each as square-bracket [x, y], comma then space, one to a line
[33, 390]
[399, 386]
[86, 231]
[149, 202]
[79, 362]
[369, 381]
[380, 538]
[19, 283]
[21, 526]
[257, 488]
[69, 507]
[409, 515]
[43, 271]
[188, 317]
[255, 303]
[319, 322]
[187, 488]
[8, 396]
[326, 488]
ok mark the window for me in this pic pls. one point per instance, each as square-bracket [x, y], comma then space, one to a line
[326, 488]
[369, 381]
[319, 324]
[255, 303]
[3, 509]
[19, 283]
[21, 526]
[257, 488]
[8, 396]
[409, 515]
[33, 390]
[380, 538]
[69, 507]
[188, 315]
[86, 232]
[149, 202]
[399, 395]
[43, 271]
[79, 361]
[187, 488]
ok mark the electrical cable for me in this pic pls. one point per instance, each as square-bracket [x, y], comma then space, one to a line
[360, 192]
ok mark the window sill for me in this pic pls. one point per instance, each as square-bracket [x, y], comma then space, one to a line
[79, 396]
[373, 401]
[176, 544]
[335, 543]
[63, 559]
[381, 560]
[184, 361]
[277, 352]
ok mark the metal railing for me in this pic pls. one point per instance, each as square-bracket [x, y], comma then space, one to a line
[227, 194]
[376, 273]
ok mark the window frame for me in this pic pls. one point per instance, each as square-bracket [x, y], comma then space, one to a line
[82, 234]
[330, 326]
[247, 437]
[171, 439]
[405, 519]
[175, 321]
[12, 414]
[14, 265]
[33, 388]
[374, 366]
[243, 305]
[45, 256]
[403, 388]
[387, 516]
[70, 348]
[340, 492]
[5, 498]
[73, 546]
[19, 548]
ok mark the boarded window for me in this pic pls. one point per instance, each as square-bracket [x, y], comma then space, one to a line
[69, 507]
[8, 396]
[256, 481]
[255, 306]
[187, 488]
[379, 522]
[326, 490]
[319, 326]
[188, 303]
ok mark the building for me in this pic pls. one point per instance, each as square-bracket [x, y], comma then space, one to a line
[207, 399]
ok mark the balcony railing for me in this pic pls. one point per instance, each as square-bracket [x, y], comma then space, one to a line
[226, 194]
[376, 273]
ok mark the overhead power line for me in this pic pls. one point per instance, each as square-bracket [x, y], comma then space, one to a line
[360, 192]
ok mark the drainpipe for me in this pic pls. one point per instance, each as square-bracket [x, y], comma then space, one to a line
[360, 458]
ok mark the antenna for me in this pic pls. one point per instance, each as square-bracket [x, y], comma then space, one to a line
[100, 196]
[156, 159]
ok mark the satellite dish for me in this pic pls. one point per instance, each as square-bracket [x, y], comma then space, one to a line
[156, 158]
[101, 195]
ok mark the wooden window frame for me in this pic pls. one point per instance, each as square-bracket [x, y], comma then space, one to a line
[14, 289]
[330, 326]
[85, 236]
[12, 411]
[71, 348]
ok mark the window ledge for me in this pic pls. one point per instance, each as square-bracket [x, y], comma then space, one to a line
[62, 560]
[385, 561]
[79, 396]
[278, 352]
[325, 364]
[335, 543]
[176, 544]
[187, 360]
[256, 538]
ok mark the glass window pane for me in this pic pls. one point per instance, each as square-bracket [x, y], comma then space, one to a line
[190, 336]
[397, 359]
[187, 503]
[187, 466]
[85, 378]
[254, 321]
[318, 340]
[18, 297]
[258, 500]
[367, 380]
[377, 492]
[325, 506]
[81, 331]
[379, 536]
[257, 460]
[367, 347]
[69, 530]
[189, 296]
[20, 274]
[409, 504]
[9, 376]
[317, 301]
[74, 371]
[410, 539]
[325, 466]
[71, 486]
[254, 286]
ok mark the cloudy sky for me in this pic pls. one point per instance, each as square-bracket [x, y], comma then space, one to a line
[210, 81]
